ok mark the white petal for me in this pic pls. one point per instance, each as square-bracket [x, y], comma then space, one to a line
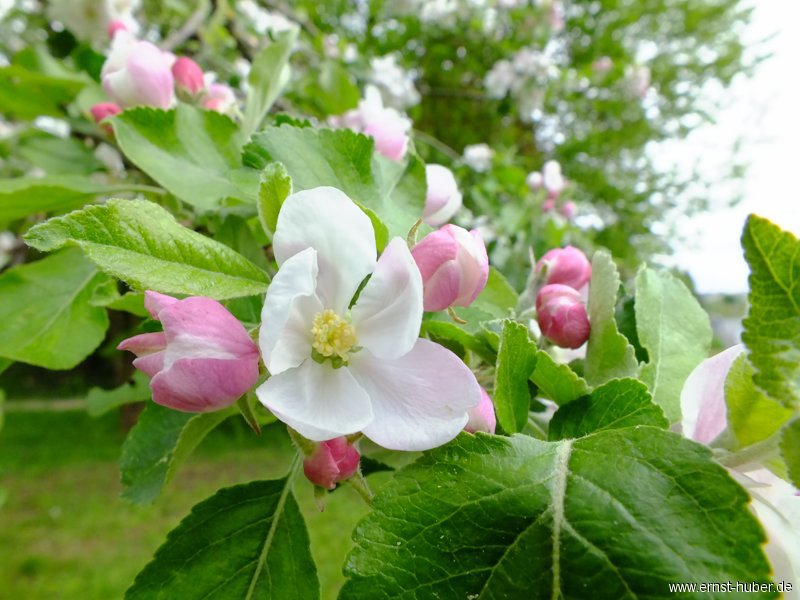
[777, 506]
[325, 219]
[703, 408]
[318, 401]
[388, 312]
[420, 400]
[288, 313]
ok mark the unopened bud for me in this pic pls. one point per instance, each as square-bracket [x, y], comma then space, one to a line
[482, 417]
[333, 461]
[114, 27]
[568, 266]
[443, 199]
[454, 267]
[568, 210]
[188, 76]
[562, 316]
[101, 111]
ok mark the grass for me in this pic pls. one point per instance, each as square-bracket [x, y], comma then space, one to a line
[66, 533]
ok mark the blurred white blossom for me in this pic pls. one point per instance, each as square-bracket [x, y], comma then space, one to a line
[396, 83]
[89, 19]
[478, 157]
[263, 20]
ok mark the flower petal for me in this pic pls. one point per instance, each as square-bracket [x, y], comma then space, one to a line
[388, 312]
[144, 344]
[203, 384]
[318, 401]
[703, 408]
[420, 400]
[200, 327]
[289, 309]
[155, 302]
[325, 219]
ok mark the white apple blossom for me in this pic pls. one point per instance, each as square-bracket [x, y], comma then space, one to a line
[478, 157]
[552, 178]
[337, 369]
[774, 501]
[89, 19]
[394, 80]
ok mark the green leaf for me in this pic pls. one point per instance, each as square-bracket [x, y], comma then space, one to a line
[446, 333]
[268, 76]
[752, 416]
[557, 381]
[617, 404]
[159, 443]
[790, 450]
[498, 298]
[772, 325]
[275, 187]
[617, 514]
[245, 542]
[332, 90]
[193, 153]
[28, 195]
[99, 401]
[142, 244]
[675, 331]
[516, 359]
[345, 160]
[608, 354]
[55, 155]
[130, 302]
[26, 94]
[47, 318]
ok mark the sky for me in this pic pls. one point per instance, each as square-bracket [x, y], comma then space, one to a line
[765, 111]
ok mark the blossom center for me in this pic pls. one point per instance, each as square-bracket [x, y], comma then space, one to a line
[333, 336]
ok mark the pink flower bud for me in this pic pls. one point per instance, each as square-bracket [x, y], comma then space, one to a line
[548, 205]
[443, 198]
[568, 210]
[568, 266]
[204, 359]
[138, 73]
[332, 462]
[188, 75]
[102, 111]
[114, 27]
[562, 315]
[454, 267]
[220, 98]
[481, 417]
[390, 135]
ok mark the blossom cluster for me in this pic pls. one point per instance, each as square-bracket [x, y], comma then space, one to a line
[337, 366]
[138, 73]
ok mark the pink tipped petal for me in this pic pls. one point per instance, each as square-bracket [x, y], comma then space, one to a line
[289, 309]
[144, 344]
[443, 199]
[199, 327]
[441, 290]
[388, 313]
[318, 401]
[703, 408]
[473, 263]
[420, 400]
[433, 250]
[203, 384]
[155, 302]
[482, 417]
[325, 219]
[151, 76]
[151, 364]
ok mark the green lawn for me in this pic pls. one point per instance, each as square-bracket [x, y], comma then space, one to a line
[66, 533]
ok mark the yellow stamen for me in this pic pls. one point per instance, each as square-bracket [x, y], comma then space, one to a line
[333, 336]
